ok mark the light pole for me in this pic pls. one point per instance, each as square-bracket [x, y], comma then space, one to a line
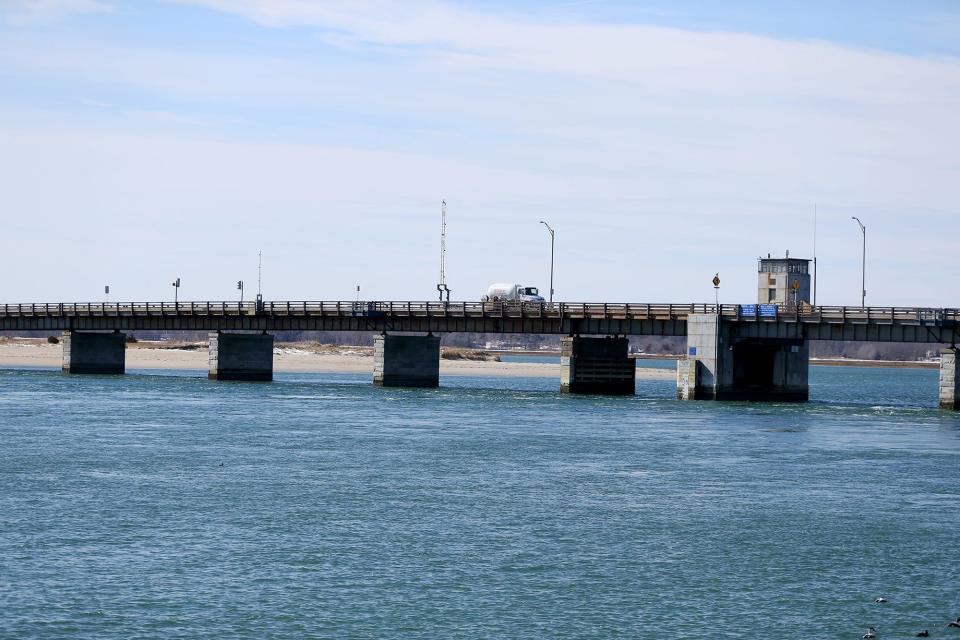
[240, 286]
[176, 290]
[550, 229]
[863, 268]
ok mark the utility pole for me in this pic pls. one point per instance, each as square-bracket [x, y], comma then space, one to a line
[259, 306]
[552, 238]
[814, 254]
[863, 268]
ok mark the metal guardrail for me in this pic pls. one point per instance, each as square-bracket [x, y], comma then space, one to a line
[545, 310]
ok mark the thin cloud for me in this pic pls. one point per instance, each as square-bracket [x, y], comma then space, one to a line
[34, 12]
[672, 58]
[942, 28]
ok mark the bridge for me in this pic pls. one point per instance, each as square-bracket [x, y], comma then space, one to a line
[874, 324]
[755, 352]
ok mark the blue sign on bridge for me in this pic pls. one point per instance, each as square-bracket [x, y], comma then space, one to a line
[759, 310]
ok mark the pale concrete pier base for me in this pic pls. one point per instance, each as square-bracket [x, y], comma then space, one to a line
[706, 361]
[93, 352]
[596, 365]
[949, 379]
[727, 368]
[686, 379]
[241, 356]
[406, 361]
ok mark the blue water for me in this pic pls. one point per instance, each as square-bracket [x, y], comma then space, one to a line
[665, 363]
[488, 508]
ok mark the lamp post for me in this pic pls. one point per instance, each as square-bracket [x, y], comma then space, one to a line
[550, 229]
[863, 268]
[176, 290]
[240, 286]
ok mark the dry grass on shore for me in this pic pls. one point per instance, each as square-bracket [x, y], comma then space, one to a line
[459, 353]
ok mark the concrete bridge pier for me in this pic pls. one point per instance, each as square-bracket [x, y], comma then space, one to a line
[406, 361]
[724, 366]
[949, 379]
[596, 365]
[85, 352]
[241, 356]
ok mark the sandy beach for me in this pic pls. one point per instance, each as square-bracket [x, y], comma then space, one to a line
[30, 352]
[312, 357]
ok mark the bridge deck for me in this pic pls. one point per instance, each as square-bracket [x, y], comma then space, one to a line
[896, 324]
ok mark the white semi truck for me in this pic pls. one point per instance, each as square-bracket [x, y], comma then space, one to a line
[502, 292]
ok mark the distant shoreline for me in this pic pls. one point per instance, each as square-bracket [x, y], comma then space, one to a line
[882, 364]
[839, 362]
[312, 357]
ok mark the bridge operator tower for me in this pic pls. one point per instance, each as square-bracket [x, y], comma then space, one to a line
[784, 281]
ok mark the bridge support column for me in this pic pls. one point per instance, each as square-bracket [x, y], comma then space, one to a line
[241, 356]
[406, 361]
[699, 375]
[94, 352]
[596, 365]
[771, 370]
[722, 366]
[949, 379]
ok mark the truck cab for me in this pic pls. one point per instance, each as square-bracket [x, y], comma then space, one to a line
[529, 294]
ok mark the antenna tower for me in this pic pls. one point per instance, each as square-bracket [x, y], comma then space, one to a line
[442, 287]
[443, 243]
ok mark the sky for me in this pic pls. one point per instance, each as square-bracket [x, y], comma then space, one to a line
[142, 141]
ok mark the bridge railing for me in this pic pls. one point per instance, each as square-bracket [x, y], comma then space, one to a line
[426, 309]
[504, 309]
[128, 309]
[500, 309]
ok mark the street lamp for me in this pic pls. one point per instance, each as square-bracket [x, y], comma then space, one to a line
[550, 229]
[240, 286]
[863, 268]
[176, 289]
